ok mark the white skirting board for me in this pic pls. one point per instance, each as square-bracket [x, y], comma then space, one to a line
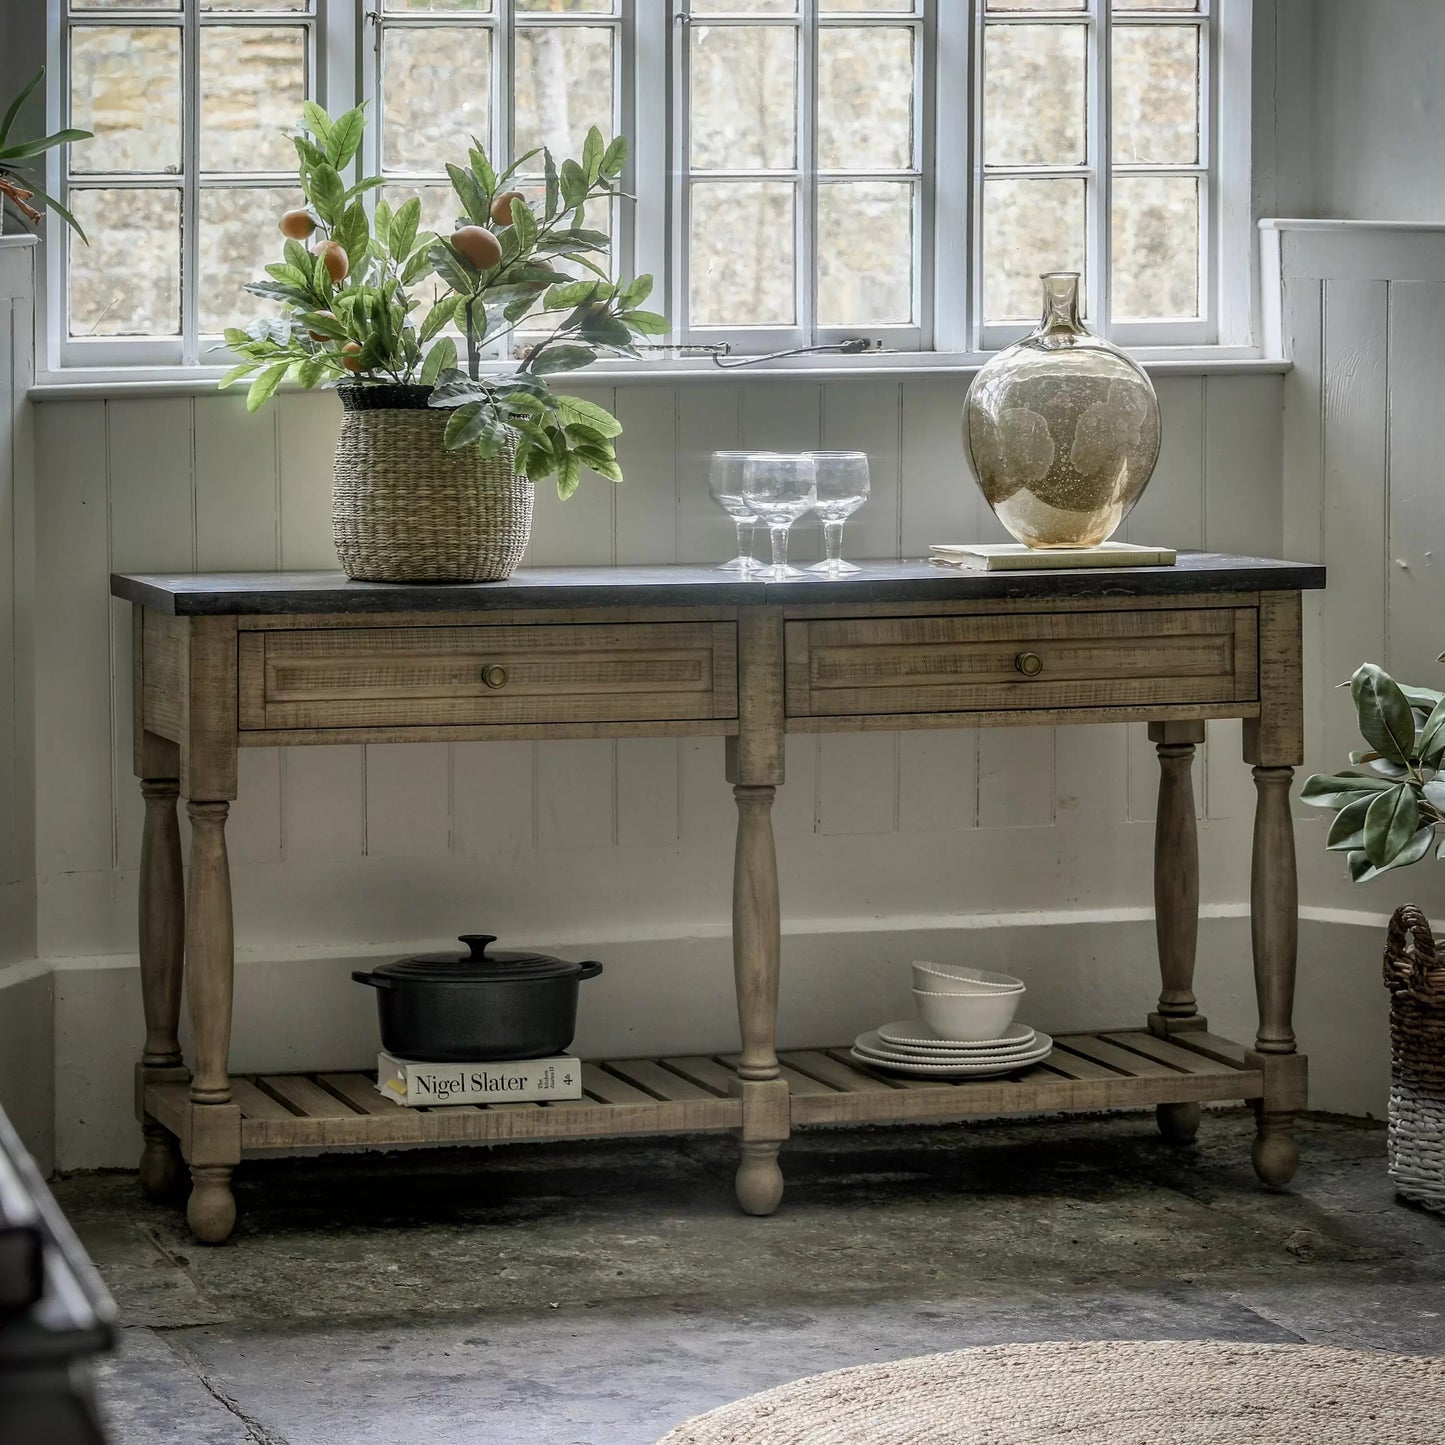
[675, 994]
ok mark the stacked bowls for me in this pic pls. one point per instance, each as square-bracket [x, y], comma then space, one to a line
[965, 1029]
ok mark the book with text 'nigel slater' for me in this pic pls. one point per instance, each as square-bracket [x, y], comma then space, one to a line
[415, 1084]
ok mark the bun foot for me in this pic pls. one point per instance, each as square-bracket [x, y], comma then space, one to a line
[759, 1180]
[160, 1164]
[1276, 1155]
[1178, 1123]
[211, 1209]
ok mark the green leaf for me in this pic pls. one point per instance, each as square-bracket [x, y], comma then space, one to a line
[404, 221]
[419, 263]
[646, 323]
[1347, 827]
[560, 358]
[1434, 792]
[615, 157]
[49, 203]
[440, 358]
[453, 388]
[15, 105]
[25, 149]
[1334, 790]
[482, 170]
[1425, 697]
[551, 185]
[244, 368]
[439, 316]
[1385, 719]
[577, 258]
[317, 122]
[327, 193]
[313, 370]
[593, 149]
[1362, 870]
[604, 464]
[453, 269]
[289, 275]
[381, 218]
[345, 137]
[589, 437]
[278, 291]
[264, 386]
[324, 325]
[570, 293]
[1432, 736]
[366, 183]
[524, 224]
[574, 411]
[465, 425]
[635, 292]
[470, 194]
[569, 474]
[593, 240]
[1390, 822]
[574, 184]
[353, 235]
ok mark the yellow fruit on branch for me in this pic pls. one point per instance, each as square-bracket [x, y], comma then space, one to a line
[477, 245]
[297, 225]
[502, 207]
[337, 264]
[321, 335]
[351, 356]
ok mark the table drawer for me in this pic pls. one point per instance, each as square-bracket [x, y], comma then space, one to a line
[1008, 662]
[359, 677]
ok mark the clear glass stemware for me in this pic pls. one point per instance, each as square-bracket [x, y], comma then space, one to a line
[725, 481]
[779, 489]
[842, 479]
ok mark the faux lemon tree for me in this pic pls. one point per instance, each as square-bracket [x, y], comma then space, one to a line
[505, 271]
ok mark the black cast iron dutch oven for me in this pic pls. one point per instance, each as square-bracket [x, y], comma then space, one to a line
[449, 1008]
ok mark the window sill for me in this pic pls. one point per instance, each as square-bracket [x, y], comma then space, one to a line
[82, 385]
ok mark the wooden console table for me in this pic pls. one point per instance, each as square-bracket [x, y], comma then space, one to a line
[229, 661]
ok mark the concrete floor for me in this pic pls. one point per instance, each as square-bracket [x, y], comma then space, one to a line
[595, 1294]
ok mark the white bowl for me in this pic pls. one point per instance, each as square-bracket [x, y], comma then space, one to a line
[962, 1017]
[961, 978]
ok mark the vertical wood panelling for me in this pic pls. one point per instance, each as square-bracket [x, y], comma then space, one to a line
[1356, 498]
[408, 800]
[576, 793]
[1416, 556]
[74, 829]
[12, 403]
[492, 797]
[708, 420]
[857, 783]
[647, 452]
[648, 790]
[937, 780]
[152, 528]
[323, 803]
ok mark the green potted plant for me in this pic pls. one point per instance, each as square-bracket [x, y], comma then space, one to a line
[1387, 809]
[436, 464]
[17, 158]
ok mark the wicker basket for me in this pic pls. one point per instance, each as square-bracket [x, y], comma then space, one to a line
[405, 509]
[1416, 980]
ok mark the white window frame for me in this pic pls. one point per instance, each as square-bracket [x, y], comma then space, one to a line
[650, 61]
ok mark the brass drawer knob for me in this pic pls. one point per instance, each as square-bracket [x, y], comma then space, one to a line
[494, 675]
[1029, 663]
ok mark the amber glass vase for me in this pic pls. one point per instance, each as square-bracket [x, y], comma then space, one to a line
[1062, 429]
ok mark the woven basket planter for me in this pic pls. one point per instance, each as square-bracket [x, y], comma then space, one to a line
[405, 509]
[1416, 980]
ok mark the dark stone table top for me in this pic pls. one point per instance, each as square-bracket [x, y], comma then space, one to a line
[212, 594]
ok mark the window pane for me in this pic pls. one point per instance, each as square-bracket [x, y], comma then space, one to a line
[905, 7]
[238, 239]
[865, 98]
[562, 7]
[1039, 4]
[1029, 227]
[1156, 5]
[253, 80]
[436, 85]
[125, 85]
[124, 5]
[1156, 94]
[1034, 95]
[479, 5]
[1156, 246]
[440, 209]
[865, 253]
[563, 85]
[255, 4]
[738, 7]
[744, 97]
[127, 282]
[742, 254]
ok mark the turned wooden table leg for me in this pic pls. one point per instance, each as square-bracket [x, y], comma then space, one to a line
[755, 768]
[1274, 744]
[210, 962]
[162, 944]
[1176, 902]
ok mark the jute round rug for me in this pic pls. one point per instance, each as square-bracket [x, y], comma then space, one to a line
[1157, 1392]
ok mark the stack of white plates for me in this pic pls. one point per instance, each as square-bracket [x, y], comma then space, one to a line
[911, 1047]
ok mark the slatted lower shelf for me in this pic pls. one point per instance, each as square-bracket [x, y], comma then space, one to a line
[684, 1095]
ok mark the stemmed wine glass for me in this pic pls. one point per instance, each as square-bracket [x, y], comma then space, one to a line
[779, 489]
[842, 489]
[725, 480]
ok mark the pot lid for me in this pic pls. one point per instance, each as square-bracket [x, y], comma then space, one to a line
[477, 963]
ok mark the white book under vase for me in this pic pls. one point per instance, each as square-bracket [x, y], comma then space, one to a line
[416, 1084]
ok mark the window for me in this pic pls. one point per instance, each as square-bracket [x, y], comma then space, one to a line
[804, 170]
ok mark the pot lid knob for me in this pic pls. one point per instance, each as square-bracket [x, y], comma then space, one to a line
[477, 942]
